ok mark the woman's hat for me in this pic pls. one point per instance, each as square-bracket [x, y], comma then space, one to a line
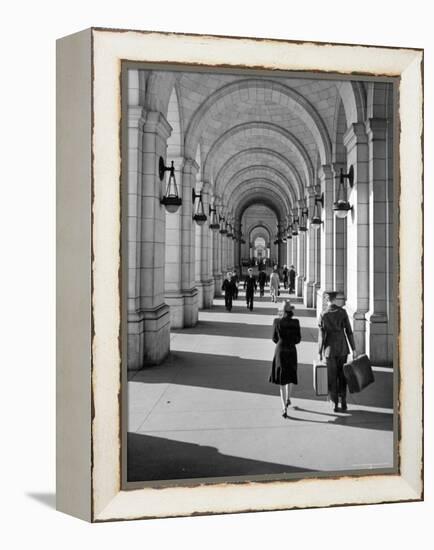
[287, 306]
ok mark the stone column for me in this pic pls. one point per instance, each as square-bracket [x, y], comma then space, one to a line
[357, 304]
[149, 323]
[317, 277]
[377, 318]
[339, 242]
[327, 233]
[301, 256]
[309, 283]
[188, 288]
[206, 282]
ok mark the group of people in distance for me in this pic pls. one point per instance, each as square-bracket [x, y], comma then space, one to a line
[335, 333]
[231, 284]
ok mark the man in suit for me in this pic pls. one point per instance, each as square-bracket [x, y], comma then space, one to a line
[334, 330]
[250, 287]
[291, 280]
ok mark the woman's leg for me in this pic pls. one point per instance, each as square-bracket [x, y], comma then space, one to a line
[288, 393]
[282, 398]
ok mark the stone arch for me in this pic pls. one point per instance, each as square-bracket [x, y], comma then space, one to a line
[253, 176]
[339, 129]
[287, 136]
[250, 188]
[353, 99]
[266, 153]
[158, 90]
[260, 230]
[255, 182]
[274, 91]
[175, 140]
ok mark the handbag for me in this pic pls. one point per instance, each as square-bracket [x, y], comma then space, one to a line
[358, 373]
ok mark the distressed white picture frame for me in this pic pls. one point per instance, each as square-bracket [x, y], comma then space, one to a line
[88, 263]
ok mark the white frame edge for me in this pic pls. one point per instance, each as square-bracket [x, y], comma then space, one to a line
[109, 502]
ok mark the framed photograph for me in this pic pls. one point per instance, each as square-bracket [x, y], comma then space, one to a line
[239, 274]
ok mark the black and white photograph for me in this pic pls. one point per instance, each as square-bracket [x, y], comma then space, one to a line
[259, 266]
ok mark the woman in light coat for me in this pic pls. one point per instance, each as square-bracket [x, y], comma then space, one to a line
[274, 285]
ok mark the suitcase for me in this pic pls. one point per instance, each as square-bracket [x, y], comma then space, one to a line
[358, 374]
[320, 382]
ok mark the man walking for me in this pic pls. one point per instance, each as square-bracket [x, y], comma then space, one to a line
[228, 287]
[334, 330]
[250, 287]
[262, 279]
[292, 279]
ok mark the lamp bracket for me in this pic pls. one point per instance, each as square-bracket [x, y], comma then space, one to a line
[320, 199]
[162, 168]
[349, 176]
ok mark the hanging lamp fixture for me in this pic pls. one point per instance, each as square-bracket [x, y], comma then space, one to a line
[316, 220]
[171, 199]
[214, 222]
[341, 207]
[199, 215]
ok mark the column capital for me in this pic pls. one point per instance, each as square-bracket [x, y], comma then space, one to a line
[376, 128]
[356, 134]
[325, 172]
[155, 122]
[190, 166]
[135, 116]
[311, 191]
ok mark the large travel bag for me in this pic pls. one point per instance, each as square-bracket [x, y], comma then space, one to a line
[320, 382]
[358, 373]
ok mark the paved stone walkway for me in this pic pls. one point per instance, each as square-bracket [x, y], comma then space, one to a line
[209, 410]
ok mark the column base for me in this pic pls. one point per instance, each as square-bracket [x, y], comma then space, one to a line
[308, 294]
[299, 282]
[183, 308]
[379, 343]
[218, 281]
[148, 337]
[205, 293]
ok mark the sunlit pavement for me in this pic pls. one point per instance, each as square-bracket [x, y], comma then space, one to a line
[209, 410]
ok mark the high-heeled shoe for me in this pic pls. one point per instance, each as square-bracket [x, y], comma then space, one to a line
[284, 413]
[288, 403]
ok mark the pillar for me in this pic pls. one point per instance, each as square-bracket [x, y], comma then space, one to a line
[377, 317]
[148, 315]
[357, 303]
[326, 177]
[309, 282]
[205, 283]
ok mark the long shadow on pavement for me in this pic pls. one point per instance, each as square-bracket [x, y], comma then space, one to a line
[241, 330]
[157, 458]
[223, 372]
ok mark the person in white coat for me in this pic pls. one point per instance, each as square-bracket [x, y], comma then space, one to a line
[274, 284]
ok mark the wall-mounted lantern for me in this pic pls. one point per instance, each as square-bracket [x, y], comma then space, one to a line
[294, 224]
[214, 222]
[303, 219]
[223, 226]
[199, 215]
[341, 207]
[316, 220]
[171, 199]
[229, 233]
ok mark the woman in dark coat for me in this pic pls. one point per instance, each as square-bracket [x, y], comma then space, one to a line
[286, 334]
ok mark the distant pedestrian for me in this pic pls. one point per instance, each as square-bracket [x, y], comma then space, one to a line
[262, 280]
[250, 287]
[274, 284]
[291, 275]
[236, 280]
[228, 288]
[285, 277]
[286, 334]
[334, 331]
